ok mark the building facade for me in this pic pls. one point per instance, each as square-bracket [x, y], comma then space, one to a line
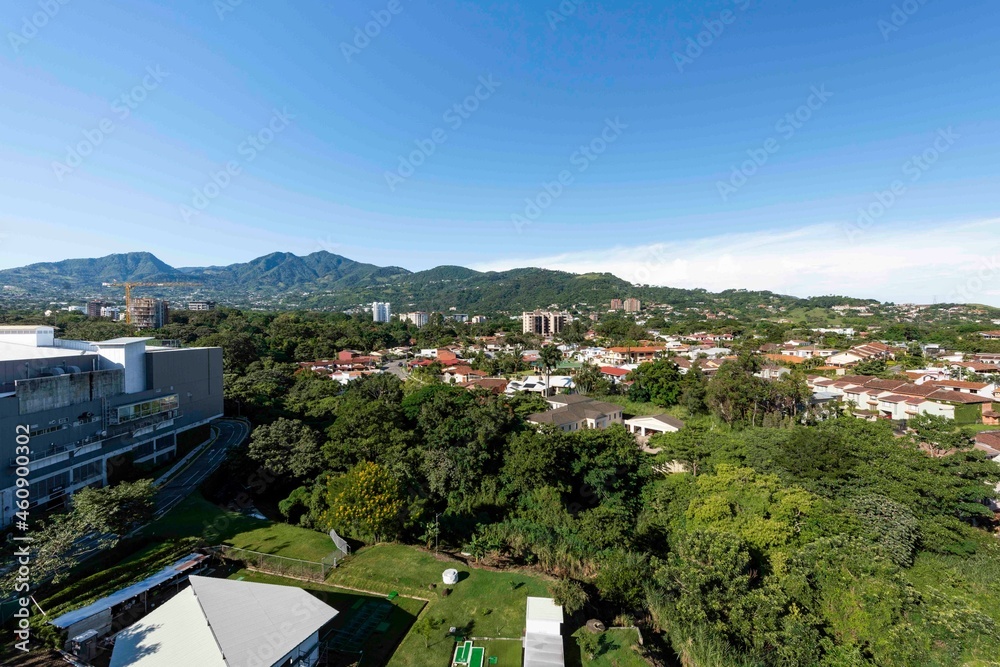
[85, 404]
[616, 304]
[94, 308]
[544, 322]
[419, 318]
[201, 305]
[381, 311]
[149, 313]
[632, 305]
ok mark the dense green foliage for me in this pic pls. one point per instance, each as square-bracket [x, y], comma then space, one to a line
[781, 546]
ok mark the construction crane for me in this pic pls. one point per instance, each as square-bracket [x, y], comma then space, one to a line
[128, 292]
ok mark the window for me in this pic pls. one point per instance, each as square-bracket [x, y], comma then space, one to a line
[88, 471]
[155, 406]
[46, 486]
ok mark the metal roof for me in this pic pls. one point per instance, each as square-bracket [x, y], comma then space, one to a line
[541, 650]
[125, 594]
[543, 609]
[126, 340]
[175, 634]
[223, 623]
[250, 619]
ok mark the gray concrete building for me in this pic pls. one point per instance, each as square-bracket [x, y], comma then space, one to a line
[84, 403]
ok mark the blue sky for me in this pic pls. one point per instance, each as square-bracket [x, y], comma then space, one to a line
[357, 147]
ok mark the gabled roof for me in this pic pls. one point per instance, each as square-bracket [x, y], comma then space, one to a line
[664, 419]
[223, 623]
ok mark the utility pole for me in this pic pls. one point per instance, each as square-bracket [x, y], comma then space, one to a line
[437, 531]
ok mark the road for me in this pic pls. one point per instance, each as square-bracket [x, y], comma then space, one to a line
[232, 433]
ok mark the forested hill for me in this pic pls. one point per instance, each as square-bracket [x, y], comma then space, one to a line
[326, 280]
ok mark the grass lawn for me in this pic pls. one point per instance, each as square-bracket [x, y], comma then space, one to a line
[617, 650]
[508, 652]
[492, 602]
[197, 517]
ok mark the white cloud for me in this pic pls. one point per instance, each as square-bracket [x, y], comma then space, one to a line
[923, 264]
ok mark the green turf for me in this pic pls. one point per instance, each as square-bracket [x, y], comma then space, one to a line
[477, 657]
[462, 653]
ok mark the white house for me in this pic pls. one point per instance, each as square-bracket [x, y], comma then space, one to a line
[651, 424]
[221, 623]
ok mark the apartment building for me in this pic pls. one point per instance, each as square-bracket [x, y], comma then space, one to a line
[83, 404]
[419, 318]
[381, 311]
[632, 305]
[544, 322]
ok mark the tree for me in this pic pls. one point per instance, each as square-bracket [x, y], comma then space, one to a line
[116, 509]
[365, 503]
[694, 390]
[550, 357]
[427, 627]
[286, 447]
[940, 434]
[660, 380]
[569, 594]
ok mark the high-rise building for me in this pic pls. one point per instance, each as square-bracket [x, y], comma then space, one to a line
[83, 404]
[419, 318]
[616, 304]
[149, 313]
[544, 322]
[94, 308]
[381, 311]
[632, 305]
[479, 319]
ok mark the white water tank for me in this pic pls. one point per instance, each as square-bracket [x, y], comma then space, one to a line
[450, 576]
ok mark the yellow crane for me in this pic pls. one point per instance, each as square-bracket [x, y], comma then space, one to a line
[128, 292]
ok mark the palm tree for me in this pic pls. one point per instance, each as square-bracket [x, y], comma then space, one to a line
[550, 356]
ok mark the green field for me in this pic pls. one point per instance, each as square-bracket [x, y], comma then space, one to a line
[486, 603]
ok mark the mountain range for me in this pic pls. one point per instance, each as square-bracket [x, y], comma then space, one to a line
[325, 280]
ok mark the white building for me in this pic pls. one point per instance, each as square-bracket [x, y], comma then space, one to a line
[220, 623]
[419, 318]
[381, 311]
[543, 642]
